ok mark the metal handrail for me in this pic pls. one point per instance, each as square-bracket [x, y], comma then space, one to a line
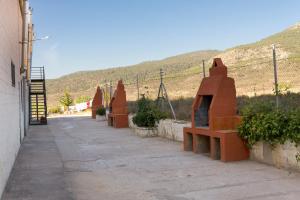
[37, 73]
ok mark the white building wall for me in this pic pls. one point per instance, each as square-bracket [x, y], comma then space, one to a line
[26, 82]
[10, 51]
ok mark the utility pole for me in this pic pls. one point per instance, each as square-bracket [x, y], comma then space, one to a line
[103, 95]
[106, 95]
[110, 90]
[275, 75]
[203, 68]
[138, 87]
[162, 94]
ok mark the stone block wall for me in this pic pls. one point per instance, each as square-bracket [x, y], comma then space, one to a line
[167, 128]
[281, 156]
[172, 129]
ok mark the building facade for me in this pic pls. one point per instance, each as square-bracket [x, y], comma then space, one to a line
[16, 34]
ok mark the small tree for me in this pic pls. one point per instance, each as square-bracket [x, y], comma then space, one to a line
[101, 111]
[106, 96]
[83, 99]
[66, 100]
[148, 114]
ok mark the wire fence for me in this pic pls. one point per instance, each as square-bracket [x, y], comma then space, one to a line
[256, 79]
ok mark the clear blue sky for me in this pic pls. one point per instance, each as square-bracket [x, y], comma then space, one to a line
[96, 34]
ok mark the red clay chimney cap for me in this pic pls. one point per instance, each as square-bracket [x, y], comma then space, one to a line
[120, 85]
[218, 62]
[218, 68]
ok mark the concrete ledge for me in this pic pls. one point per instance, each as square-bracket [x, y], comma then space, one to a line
[172, 129]
[100, 118]
[142, 131]
[281, 156]
[167, 128]
[146, 132]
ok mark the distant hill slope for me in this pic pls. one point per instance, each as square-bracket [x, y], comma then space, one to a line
[85, 82]
[250, 65]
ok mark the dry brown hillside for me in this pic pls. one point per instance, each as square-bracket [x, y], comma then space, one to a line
[251, 65]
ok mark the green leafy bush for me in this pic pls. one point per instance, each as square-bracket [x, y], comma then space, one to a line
[256, 107]
[101, 111]
[262, 122]
[293, 128]
[66, 100]
[55, 110]
[82, 99]
[298, 157]
[147, 114]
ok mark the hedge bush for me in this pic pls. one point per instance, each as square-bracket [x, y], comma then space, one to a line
[55, 110]
[263, 122]
[101, 111]
[147, 114]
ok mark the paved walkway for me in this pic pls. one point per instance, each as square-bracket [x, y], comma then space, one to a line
[78, 158]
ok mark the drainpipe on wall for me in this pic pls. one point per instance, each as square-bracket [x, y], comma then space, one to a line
[23, 69]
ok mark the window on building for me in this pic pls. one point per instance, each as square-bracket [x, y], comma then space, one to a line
[13, 74]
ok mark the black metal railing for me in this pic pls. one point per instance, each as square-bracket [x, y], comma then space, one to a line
[37, 73]
[37, 97]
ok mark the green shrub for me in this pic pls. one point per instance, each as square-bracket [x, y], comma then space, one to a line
[293, 128]
[132, 106]
[101, 111]
[66, 100]
[82, 99]
[55, 110]
[298, 157]
[262, 122]
[147, 114]
[257, 106]
[182, 107]
[288, 101]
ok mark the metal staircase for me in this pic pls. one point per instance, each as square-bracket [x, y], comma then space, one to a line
[37, 97]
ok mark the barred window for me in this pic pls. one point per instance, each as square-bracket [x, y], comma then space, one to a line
[13, 74]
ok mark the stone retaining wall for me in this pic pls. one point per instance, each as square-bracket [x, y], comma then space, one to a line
[167, 128]
[281, 156]
[141, 131]
[172, 129]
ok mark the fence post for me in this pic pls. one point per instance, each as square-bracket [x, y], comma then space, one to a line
[138, 87]
[103, 95]
[162, 93]
[203, 68]
[275, 75]
[106, 95]
[110, 90]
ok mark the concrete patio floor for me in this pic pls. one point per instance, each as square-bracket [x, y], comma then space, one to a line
[79, 158]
